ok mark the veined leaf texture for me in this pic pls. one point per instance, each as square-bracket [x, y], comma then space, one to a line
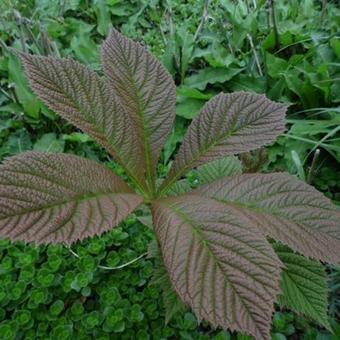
[227, 125]
[146, 91]
[219, 168]
[214, 239]
[49, 198]
[218, 265]
[79, 95]
[304, 285]
[285, 209]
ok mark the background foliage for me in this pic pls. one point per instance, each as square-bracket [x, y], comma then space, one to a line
[208, 46]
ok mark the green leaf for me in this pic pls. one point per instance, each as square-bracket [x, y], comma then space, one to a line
[19, 141]
[180, 187]
[207, 173]
[223, 269]
[29, 101]
[298, 165]
[276, 66]
[170, 56]
[77, 137]
[188, 108]
[175, 138]
[85, 49]
[186, 44]
[190, 101]
[172, 302]
[309, 95]
[49, 143]
[304, 285]
[147, 92]
[335, 44]
[50, 198]
[249, 83]
[188, 92]
[202, 78]
[220, 168]
[103, 16]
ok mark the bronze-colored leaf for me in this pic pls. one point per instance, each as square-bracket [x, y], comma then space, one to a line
[49, 198]
[285, 209]
[82, 97]
[228, 124]
[145, 89]
[225, 270]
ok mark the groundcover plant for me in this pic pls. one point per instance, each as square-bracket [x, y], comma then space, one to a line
[232, 247]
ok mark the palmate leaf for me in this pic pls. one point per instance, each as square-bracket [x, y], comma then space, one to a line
[226, 271]
[214, 239]
[49, 198]
[83, 98]
[304, 285]
[285, 209]
[228, 124]
[147, 92]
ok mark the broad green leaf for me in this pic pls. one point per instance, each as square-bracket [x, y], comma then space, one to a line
[335, 44]
[49, 198]
[220, 168]
[29, 101]
[55, 8]
[85, 49]
[171, 55]
[5, 124]
[285, 209]
[304, 285]
[276, 67]
[313, 127]
[19, 141]
[188, 108]
[211, 76]
[228, 124]
[186, 43]
[178, 51]
[123, 9]
[103, 16]
[147, 92]
[223, 269]
[219, 56]
[82, 97]
[249, 83]
[188, 92]
[309, 95]
[190, 101]
[49, 143]
[269, 42]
